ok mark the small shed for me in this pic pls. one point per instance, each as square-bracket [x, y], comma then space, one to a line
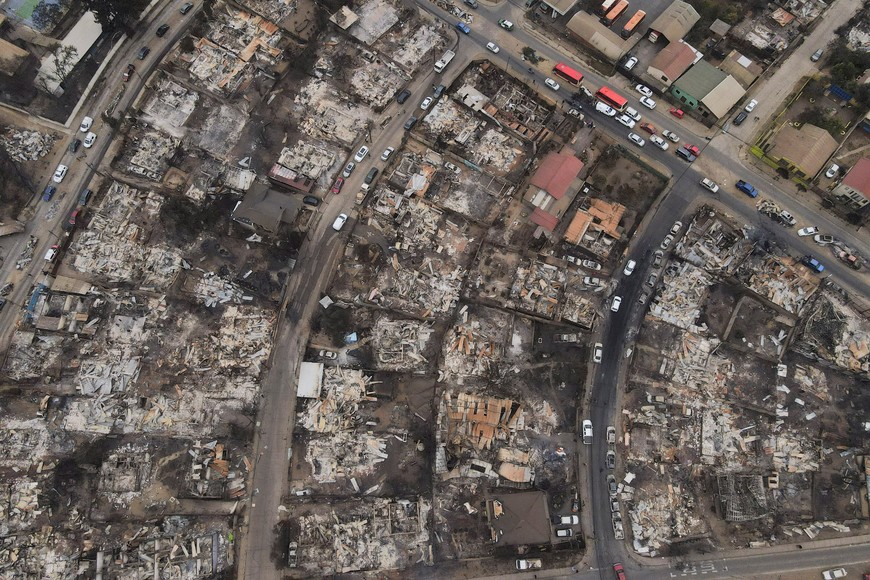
[310, 380]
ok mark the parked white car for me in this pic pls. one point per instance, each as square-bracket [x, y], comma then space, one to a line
[808, 231]
[644, 90]
[597, 352]
[711, 185]
[648, 102]
[605, 109]
[629, 267]
[636, 139]
[671, 136]
[339, 222]
[492, 47]
[632, 113]
[59, 173]
[89, 140]
[749, 107]
[552, 84]
[361, 154]
[614, 306]
[86, 124]
[659, 142]
[587, 432]
[626, 120]
[832, 171]
[426, 102]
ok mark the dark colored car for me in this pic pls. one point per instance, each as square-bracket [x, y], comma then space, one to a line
[162, 29]
[48, 193]
[439, 90]
[311, 200]
[74, 145]
[84, 196]
[686, 154]
[336, 187]
[403, 96]
[813, 264]
[409, 124]
[186, 7]
[740, 118]
[746, 188]
[143, 52]
[71, 221]
[131, 68]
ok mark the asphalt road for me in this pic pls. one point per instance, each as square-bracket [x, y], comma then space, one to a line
[84, 164]
[320, 255]
[318, 259]
[720, 158]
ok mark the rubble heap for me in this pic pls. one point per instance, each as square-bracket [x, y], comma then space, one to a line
[660, 511]
[683, 293]
[835, 332]
[781, 280]
[26, 145]
[376, 534]
[336, 409]
[211, 474]
[115, 245]
[713, 244]
[400, 344]
[537, 288]
[475, 343]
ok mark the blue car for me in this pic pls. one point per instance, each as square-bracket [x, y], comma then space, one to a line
[747, 188]
[48, 193]
[463, 27]
[812, 264]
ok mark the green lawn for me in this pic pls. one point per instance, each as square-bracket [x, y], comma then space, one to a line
[25, 11]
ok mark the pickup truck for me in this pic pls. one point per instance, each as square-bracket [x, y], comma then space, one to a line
[529, 564]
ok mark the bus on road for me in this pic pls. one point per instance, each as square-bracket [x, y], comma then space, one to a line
[633, 23]
[614, 13]
[612, 98]
[569, 74]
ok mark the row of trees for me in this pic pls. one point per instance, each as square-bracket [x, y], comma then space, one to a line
[848, 68]
[111, 14]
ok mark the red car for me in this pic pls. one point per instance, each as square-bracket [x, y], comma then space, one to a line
[129, 72]
[693, 149]
[620, 573]
[336, 187]
[73, 218]
[678, 113]
[648, 128]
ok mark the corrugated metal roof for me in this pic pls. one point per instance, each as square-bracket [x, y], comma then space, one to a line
[858, 177]
[676, 21]
[556, 172]
[546, 220]
[673, 60]
[726, 94]
[699, 80]
[808, 148]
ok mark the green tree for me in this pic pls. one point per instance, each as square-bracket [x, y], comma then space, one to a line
[65, 59]
[46, 16]
[116, 14]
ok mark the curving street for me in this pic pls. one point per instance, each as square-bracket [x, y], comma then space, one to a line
[723, 159]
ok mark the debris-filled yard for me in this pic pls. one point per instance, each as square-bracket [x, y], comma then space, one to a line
[735, 434]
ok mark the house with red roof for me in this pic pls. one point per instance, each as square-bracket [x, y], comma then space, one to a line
[552, 188]
[854, 190]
